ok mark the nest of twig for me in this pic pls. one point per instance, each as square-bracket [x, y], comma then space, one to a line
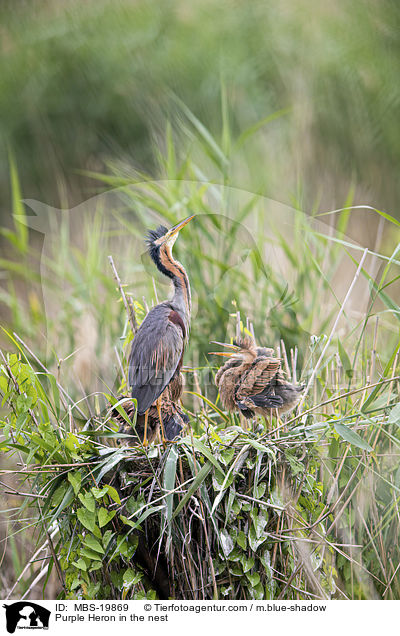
[220, 517]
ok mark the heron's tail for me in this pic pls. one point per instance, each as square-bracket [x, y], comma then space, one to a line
[173, 417]
[175, 422]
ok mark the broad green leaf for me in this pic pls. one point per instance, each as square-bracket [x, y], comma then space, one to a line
[351, 436]
[105, 516]
[80, 564]
[226, 542]
[241, 540]
[88, 500]
[87, 518]
[75, 479]
[254, 578]
[93, 544]
[99, 493]
[90, 554]
[130, 578]
[113, 494]
[107, 538]
[394, 415]
[247, 564]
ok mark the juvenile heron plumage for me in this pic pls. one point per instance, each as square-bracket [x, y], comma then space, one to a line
[252, 382]
[157, 350]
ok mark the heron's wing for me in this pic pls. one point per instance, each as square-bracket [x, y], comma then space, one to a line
[156, 353]
[258, 377]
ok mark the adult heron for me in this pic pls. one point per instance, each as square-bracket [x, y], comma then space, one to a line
[157, 350]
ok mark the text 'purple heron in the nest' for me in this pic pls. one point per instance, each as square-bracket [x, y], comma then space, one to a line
[158, 346]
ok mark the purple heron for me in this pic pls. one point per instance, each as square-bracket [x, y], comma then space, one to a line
[157, 350]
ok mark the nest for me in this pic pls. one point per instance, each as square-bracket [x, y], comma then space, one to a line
[217, 517]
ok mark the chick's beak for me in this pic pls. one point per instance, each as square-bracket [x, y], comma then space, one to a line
[227, 345]
[224, 354]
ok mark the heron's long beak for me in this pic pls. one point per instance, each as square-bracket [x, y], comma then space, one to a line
[177, 228]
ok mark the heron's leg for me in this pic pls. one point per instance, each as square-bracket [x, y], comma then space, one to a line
[161, 422]
[146, 417]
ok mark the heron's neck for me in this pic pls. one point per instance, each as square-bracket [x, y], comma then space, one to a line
[181, 299]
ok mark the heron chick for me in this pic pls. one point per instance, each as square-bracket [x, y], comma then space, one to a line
[252, 381]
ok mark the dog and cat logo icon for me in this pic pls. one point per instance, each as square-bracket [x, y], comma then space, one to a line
[26, 615]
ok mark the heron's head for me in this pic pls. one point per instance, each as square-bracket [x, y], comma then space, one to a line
[162, 237]
[243, 350]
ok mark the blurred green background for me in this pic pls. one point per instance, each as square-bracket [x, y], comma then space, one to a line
[82, 84]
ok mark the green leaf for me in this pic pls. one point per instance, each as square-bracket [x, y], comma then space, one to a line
[88, 501]
[96, 566]
[254, 578]
[241, 539]
[226, 542]
[90, 554]
[116, 578]
[257, 534]
[345, 360]
[115, 457]
[72, 443]
[261, 447]
[113, 494]
[66, 501]
[351, 436]
[203, 450]
[59, 494]
[98, 493]
[105, 516]
[296, 466]
[75, 480]
[130, 578]
[76, 583]
[80, 564]
[93, 544]
[394, 415]
[247, 564]
[107, 538]
[18, 208]
[259, 490]
[200, 477]
[127, 521]
[230, 475]
[169, 480]
[87, 518]
[23, 403]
